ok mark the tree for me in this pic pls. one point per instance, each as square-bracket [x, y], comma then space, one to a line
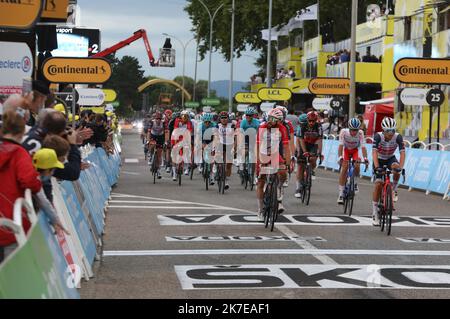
[252, 16]
[127, 76]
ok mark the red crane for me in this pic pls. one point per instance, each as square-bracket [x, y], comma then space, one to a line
[136, 36]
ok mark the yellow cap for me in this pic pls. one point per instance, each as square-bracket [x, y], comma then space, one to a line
[109, 114]
[60, 108]
[46, 158]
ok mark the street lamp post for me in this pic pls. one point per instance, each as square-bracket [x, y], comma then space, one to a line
[352, 104]
[184, 46]
[269, 48]
[230, 89]
[211, 20]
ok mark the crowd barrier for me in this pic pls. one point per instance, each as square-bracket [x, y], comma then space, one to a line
[45, 265]
[425, 170]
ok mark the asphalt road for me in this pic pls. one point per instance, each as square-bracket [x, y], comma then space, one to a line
[165, 241]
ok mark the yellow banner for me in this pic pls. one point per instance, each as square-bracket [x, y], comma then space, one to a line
[423, 71]
[19, 14]
[55, 9]
[330, 86]
[77, 70]
[247, 98]
[110, 95]
[272, 94]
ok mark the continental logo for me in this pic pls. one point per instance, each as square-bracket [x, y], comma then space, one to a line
[274, 94]
[330, 86]
[19, 14]
[423, 71]
[77, 70]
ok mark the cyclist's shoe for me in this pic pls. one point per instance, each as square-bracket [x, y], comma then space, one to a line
[298, 193]
[168, 170]
[211, 182]
[395, 197]
[280, 194]
[286, 184]
[214, 170]
[375, 220]
[158, 175]
[261, 215]
[281, 209]
[227, 186]
[313, 175]
[340, 200]
[200, 169]
[356, 188]
[186, 172]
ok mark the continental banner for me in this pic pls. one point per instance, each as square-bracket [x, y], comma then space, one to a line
[423, 71]
[19, 14]
[330, 86]
[77, 70]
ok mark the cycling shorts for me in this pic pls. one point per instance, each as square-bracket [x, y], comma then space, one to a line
[159, 139]
[351, 154]
[310, 148]
[388, 163]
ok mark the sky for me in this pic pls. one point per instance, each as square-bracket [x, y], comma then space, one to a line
[118, 19]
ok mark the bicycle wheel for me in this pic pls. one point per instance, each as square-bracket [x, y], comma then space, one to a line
[307, 193]
[180, 173]
[267, 204]
[220, 178]
[345, 201]
[388, 209]
[206, 175]
[351, 196]
[274, 205]
[192, 171]
[382, 215]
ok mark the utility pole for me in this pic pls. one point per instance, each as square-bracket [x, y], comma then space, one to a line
[269, 48]
[352, 102]
[230, 89]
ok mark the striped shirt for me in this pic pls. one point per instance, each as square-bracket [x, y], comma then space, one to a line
[386, 149]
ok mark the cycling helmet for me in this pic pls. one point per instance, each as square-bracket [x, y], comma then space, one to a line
[354, 124]
[284, 110]
[388, 123]
[251, 111]
[184, 113]
[232, 116]
[264, 117]
[176, 115]
[158, 115]
[192, 115]
[303, 119]
[276, 113]
[207, 117]
[313, 116]
[223, 115]
[168, 113]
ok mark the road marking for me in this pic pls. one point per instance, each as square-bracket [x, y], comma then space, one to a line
[300, 220]
[313, 276]
[143, 202]
[130, 173]
[175, 207]
[425, 240]
[131, 161]
[298, 252]
[241, 238]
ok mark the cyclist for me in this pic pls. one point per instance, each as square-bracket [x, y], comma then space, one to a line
[350, 141]
[182, 123]
[272, 140]
[227, 139]
[291, 131]
[167, 119]
[208, 128]
[156, 134]
[248, 126]
[384, 146]
[309, 144]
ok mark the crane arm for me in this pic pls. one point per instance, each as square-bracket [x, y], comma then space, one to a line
[136, 36]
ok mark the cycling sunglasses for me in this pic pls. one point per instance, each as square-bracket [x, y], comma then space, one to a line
[392, 131]
[273, 119]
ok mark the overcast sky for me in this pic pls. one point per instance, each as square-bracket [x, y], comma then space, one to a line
[117, 21]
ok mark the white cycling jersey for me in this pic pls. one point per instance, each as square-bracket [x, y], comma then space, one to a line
[351, 142]
[226, 133]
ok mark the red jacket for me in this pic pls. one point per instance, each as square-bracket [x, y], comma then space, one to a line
[17, 173]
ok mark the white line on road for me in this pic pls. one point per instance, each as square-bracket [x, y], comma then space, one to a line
[143, 202]
[131, 161]
[176, 207]
[198, 252]
[130, 173]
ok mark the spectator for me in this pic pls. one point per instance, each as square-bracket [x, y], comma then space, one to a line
[35, 101]
[16, 174]
[292, 74]
[62, 147]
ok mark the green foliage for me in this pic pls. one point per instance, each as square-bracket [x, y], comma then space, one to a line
[127, 76]
[252, 17]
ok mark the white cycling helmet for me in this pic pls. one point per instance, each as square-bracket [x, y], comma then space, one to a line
[389, 124]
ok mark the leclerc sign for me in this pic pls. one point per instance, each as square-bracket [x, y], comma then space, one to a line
[274, 94]
[423, 71]
[77, 70]
[19, 14]
[16, 64]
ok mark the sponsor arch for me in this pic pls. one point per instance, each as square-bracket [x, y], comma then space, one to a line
[158, 81]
